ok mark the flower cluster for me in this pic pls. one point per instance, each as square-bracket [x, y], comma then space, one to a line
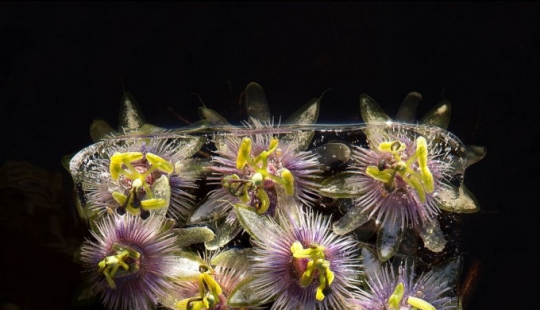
[272, 216]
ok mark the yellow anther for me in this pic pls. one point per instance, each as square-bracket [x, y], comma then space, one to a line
[153, 203]
[209, 291]
[394, 300]
[160, 163]
[110, 264]
[317, 262]
[288, 181]
[120, 159]
[392, 147]
[420, 303]
[419, 178]
[244, 153]
[140, 193]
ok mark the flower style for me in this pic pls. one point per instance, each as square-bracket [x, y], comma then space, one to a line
[401, 289]
[130, 261]
[404, 178]
[298, 263]
[147, 169]
[219, 273]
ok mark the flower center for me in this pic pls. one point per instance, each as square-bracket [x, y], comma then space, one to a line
[210, 293]
[253, 189]
[140, 197]
[316, 264]
[418, 177]
[125, 261]
[394, 301]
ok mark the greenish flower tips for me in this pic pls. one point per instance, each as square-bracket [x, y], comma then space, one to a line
[125, 257]
[317, 263]
[419, 178]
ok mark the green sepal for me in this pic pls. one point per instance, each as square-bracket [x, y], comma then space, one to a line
[340, 185]
[245, 295]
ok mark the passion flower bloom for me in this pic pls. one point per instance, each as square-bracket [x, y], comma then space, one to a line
[258, 165]
[408, 173]
[219, 273]
[401, 288]
[298, 262]
[130, 261]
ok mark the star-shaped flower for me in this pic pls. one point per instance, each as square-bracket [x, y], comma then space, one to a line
[408, 173]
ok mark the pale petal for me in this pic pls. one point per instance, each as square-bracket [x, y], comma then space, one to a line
[340, 185]
[388, 239]
[307, 114]
[371, 111]
[100, 129]
[431, 234]
[244, 295]
[407, 110]
[233, 257]
[475, 153]
[213, 118]
[187, 266]
[131, 116]
[192, 235]
[457, 199]
[225, 231]
[351, 220]
[439, 115]
[256, 104]
[252, 222]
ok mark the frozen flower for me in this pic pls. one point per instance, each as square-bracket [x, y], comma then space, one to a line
[218, 274]
[146, 169]
[256, 165]
[401, 288]
[130, 261]
[298, 263]
[404, 178]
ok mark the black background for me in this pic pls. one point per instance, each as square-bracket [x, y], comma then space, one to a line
[63, 64]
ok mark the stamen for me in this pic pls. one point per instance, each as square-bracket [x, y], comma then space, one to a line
[259, 166]
[110, 265]
[135, 202]
[317, 263]
[394, 300]
[421, 180]
[209, 291]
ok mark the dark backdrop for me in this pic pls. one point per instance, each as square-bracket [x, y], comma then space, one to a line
[62, 64]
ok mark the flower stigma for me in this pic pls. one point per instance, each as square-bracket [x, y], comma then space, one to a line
[419, 178]
[259, 169]
[124, 257]
[210, 292]
[135, 172]
[317, 263]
